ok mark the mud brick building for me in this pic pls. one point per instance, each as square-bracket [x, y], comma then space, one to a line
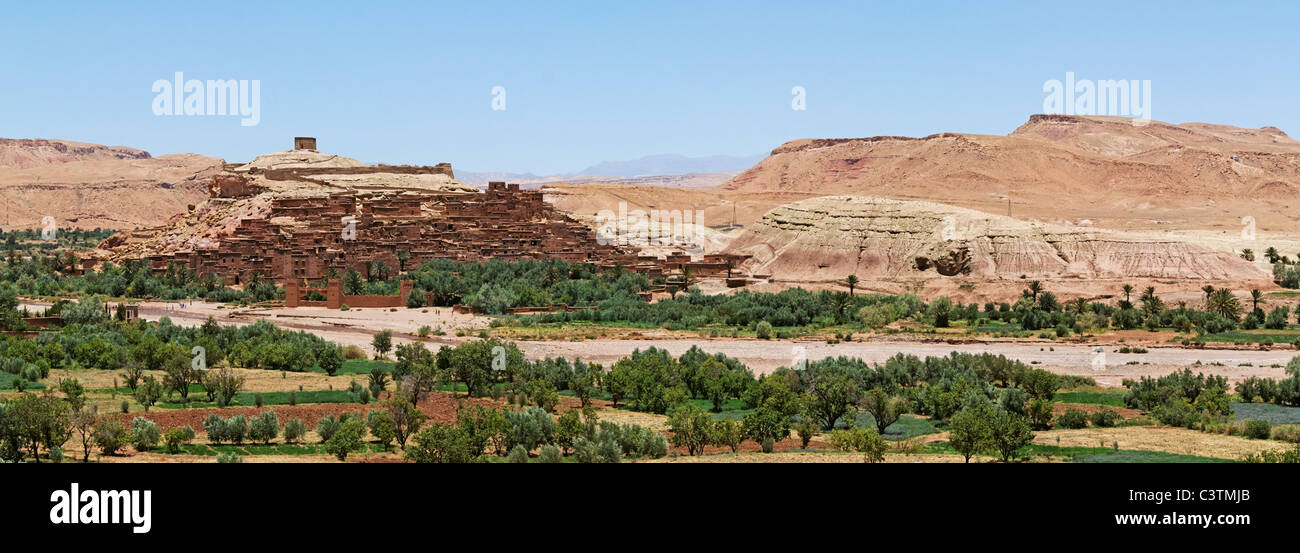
[301, 216]
[304, 237]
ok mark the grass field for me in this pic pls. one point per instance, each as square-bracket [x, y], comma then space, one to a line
[1274, 414]
[1277, 337]
[7, 382]
[1111, 397]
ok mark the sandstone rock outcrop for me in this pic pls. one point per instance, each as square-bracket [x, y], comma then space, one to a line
[881, 239]
[1111, 171]
[23, 153]
[86, 186]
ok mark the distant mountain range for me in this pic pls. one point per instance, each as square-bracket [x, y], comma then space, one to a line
[673, 164]
[660, 165]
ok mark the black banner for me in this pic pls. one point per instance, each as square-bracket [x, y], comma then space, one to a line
[185, 501]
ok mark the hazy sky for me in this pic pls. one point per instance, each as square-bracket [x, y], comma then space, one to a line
[599, 81]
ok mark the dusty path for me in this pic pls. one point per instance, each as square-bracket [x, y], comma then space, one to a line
[762, 356]
[765, 356]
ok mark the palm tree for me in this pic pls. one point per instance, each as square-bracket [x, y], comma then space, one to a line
[852, 282]
[1034, 288]
[1255, 297]
[1271, 254]
[1224, 303]
[1128, 290]
[402, 257]
[1208, 290]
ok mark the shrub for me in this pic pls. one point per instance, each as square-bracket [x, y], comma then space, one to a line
[1072, 418]
[517, 455]
[110, 435]
[1287, 433]
[550, 454]
[215, 427]
[382, 427]
[144, 434]
[608, 450]
[584, 451]
[443, 443]
[229, 457]
[264, 427]
[236, 429]
[1178, 412]
[1039, 414]
[530, 428]
[174, 438]
[353, 352]
[294, 430]
[1258, 429]
[346, 439]
[867, 441]
[764, 330]
[1105, 418]
[327, 426]
[1014, 399]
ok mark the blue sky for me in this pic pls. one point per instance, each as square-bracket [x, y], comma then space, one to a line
[603, 81]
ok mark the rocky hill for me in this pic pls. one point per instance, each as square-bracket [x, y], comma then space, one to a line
[880, 239]
[22, 153]
[87, 185]
[1112, 172]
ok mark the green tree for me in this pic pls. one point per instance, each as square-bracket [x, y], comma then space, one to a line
[692, 428]
[383, 343]
[1040, 384]
[382, 427]
[766, 425]
[346, 440]
[1010, 433]
[969, 432]
[443, 443]
[886, 410]
[407, 418]
[331, 359]
[831, 396]
[149, 392]
[110, 435]
[568, 427]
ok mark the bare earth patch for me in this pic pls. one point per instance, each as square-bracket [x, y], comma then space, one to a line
[1158, 438]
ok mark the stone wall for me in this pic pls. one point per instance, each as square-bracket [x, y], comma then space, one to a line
[335, 298]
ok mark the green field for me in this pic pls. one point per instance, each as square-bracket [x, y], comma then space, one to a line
[1274, 414]
[1278, 337]
[1108, 397]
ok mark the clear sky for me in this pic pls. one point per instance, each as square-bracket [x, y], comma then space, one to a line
[602, 81]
